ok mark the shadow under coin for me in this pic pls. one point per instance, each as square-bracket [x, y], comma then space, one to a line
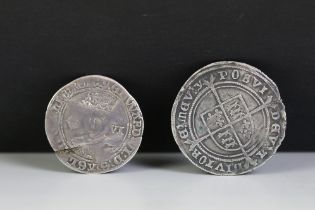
[167, 161]
[42, 161]
[287, 161]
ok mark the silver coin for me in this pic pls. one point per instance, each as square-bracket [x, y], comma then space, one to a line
[228, 118]
[94, 125]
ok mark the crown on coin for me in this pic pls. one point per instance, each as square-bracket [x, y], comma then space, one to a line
[104, 101]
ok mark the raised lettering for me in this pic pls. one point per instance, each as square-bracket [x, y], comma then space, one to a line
[196, 153]
[275, 128]
[235, 74]
[223, 75]
[261, 153]
[202, 159]
[246, 78]
[220, 167]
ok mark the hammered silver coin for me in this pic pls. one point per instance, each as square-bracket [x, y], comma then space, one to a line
[228, 118]
[94, 125]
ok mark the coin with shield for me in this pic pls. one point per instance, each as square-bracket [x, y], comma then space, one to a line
[228, 118]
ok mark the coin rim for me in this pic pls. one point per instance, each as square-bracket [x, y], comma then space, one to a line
[198, 73]
[128, 94]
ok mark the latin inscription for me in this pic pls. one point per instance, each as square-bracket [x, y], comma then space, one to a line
[90, 167]
[217, 119]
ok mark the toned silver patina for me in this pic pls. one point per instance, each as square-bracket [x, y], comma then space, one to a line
[228, 118]
[94, 125]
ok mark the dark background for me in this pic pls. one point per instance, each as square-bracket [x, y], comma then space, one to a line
[151, 48]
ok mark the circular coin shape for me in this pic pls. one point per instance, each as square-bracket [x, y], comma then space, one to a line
[94, 125]
[228, 118]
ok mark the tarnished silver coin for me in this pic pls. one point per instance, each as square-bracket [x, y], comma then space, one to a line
[228, 118]
[94, 125]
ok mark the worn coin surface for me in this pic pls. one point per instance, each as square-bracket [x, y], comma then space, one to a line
[228, 118]
[94, 125]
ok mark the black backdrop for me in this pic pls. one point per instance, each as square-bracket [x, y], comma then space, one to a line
[150, 47]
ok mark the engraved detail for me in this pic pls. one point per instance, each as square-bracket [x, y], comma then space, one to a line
[104, 101]
[235, 110]
[116, 129]
[245, 130]
[215, 119]
[72, 123]
[91, 124]
[227, 139]
[232, 121]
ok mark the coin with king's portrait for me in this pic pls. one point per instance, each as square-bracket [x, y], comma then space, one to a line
[94, 125]
[228, 118]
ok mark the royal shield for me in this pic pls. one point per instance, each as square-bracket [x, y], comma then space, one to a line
[229, 124]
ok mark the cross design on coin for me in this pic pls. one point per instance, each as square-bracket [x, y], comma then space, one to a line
[220, 123]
